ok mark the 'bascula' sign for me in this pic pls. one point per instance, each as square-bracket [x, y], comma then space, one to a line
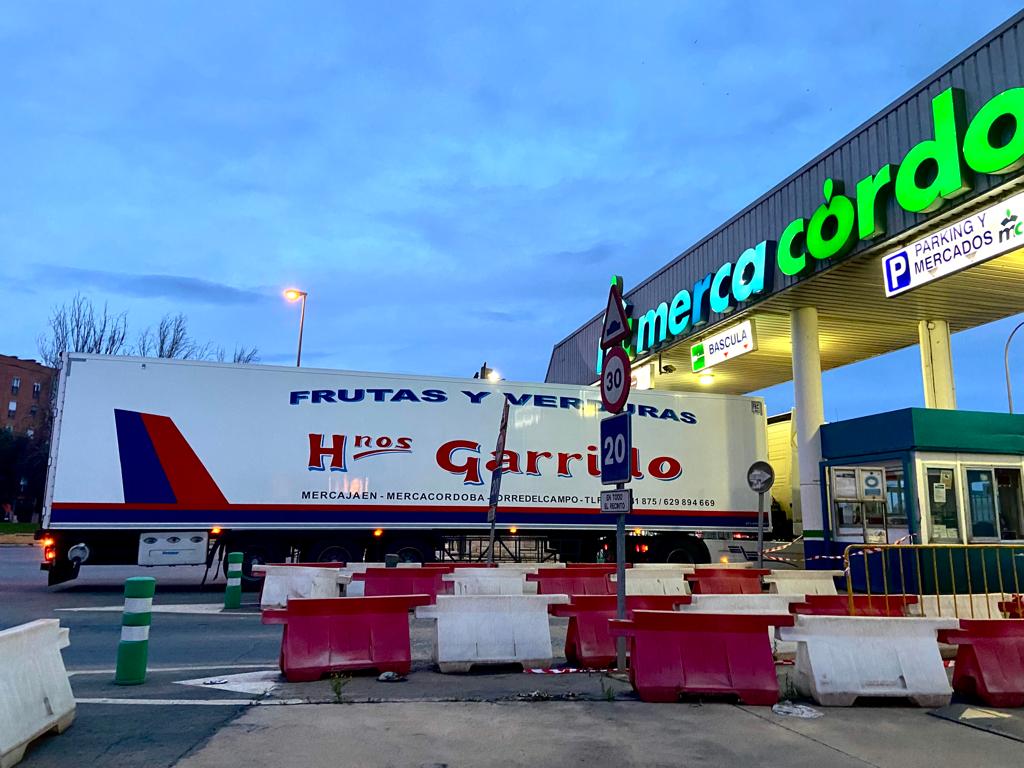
[932, 172]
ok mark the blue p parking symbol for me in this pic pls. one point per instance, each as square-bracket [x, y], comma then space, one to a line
[897, 272]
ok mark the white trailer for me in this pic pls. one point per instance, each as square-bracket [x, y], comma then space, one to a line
[163, 461]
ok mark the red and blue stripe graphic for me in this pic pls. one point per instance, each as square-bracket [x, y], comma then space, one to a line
[158, 466]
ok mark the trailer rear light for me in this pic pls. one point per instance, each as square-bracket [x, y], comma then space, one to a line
[378, 532]
[49, 553]
[215, 531]
[46, 542]
[513, 530]
[723, 559]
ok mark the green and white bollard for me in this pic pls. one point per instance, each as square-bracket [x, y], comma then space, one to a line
[233, 592]
[133, 650]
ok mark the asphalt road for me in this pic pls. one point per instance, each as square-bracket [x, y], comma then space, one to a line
[143, 736]
[213, 697]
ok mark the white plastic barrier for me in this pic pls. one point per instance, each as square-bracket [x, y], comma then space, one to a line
[944, 606]
[530, 588]
[739, 604]
[486, 581]
[491, 629]
[35, 695]
[840, 658]
[802, 582]
[772, 604]
[679, 568]
[281, 582]
[654, 582]
[527, 567]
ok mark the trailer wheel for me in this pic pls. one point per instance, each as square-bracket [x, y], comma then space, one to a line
[411, 551]
[334, 553]
[253, 553]
[686, 549]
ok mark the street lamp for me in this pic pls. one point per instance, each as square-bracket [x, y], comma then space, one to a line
[1006, 365]
[487, 373]
[294, 294]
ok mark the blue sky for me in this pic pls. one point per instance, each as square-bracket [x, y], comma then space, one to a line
[452, 182]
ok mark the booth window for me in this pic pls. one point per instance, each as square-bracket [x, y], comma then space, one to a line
[942, 504]
[895, 494]
[981, 496]
[1011, 509]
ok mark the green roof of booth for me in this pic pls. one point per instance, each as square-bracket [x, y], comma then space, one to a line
[924, 429]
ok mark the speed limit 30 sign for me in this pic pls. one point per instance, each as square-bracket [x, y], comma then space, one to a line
[615, 373]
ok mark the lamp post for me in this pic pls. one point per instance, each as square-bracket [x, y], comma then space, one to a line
[294, 294]
[488, 374]
[1006, 365]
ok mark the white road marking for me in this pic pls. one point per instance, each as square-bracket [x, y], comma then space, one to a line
[197, 668]
[195, 702]
[253, 683]
[203, 609]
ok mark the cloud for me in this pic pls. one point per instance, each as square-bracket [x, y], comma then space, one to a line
[175, 287]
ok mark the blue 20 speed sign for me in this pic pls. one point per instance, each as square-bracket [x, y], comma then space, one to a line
[616, 448]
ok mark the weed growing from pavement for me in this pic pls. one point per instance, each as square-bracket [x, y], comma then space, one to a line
[607, 690]
[338, 683]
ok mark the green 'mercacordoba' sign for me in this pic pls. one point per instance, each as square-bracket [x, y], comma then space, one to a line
[934, 171]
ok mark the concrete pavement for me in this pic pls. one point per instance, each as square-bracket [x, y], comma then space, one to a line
[507, 735]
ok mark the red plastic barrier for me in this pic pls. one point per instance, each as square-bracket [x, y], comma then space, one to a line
[572, 581]
[989, 660]
[863, 605]
[1014, 607]
[402, 581]
[726, 581]
[338, 634]
[702, 653]
[588, 640]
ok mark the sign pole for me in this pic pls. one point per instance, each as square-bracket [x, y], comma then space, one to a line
[492, 508]
[620, 583]
[760, 530]
[760, 478]
[616, 443]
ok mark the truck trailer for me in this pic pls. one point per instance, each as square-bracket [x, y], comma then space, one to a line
[170, 462]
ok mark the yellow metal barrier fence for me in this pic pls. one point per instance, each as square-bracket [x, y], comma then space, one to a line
[940, 572]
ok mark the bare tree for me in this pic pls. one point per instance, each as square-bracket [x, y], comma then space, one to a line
[172, 339]
[242, 354]
[78, 326]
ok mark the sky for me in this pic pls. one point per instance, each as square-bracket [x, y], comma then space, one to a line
[452, 182]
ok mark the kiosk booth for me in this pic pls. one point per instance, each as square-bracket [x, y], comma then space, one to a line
[923, 476]
[926, 476]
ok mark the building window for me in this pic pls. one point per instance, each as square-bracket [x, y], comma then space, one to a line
[37, 389]
[33, 411]
[15, 385]
[30, 433]
[11, 408]
[941, 490]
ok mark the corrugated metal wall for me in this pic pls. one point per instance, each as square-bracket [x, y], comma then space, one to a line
[991, 66]
[781, 453]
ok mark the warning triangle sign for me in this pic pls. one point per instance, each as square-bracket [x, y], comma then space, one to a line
[616, 325]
